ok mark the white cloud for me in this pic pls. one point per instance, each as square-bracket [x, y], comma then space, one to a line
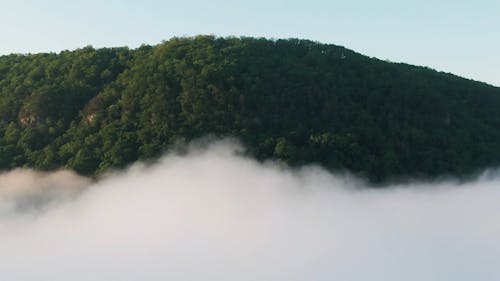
[212, 214]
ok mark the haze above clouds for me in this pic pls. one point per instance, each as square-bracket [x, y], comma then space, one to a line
[213, 214]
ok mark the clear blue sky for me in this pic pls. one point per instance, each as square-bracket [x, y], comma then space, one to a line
[462, 37]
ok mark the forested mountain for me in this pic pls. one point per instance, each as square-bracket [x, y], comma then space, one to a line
[294, 100]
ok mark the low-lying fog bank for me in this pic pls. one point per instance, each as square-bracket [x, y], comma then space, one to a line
[213, 214]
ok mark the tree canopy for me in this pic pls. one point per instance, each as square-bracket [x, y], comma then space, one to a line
[294, 100]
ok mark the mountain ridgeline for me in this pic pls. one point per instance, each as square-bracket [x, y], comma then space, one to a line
[297, 101]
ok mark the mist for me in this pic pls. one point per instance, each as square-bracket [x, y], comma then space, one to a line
[212, 213]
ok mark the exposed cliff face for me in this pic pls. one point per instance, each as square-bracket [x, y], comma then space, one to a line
[30, 120]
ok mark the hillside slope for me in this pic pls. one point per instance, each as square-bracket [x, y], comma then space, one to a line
[294, 100]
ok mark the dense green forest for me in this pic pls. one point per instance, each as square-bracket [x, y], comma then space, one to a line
[294, 100]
